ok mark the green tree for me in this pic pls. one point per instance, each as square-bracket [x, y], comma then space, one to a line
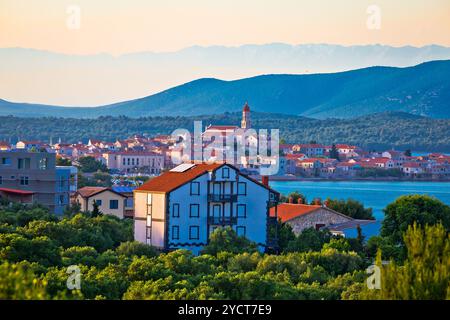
[19, 282]
[95, 209]
[350, 208]
[406, 210]
[334, 153]
[134, 248]
[60, 161]
[295, 195]
[90, 164]
[423, 275]
[309, 240]
[226, 239]
[408, 153]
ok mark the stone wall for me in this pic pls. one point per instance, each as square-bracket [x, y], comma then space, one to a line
[321, 216]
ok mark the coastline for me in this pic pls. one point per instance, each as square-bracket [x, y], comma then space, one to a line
[381, 179]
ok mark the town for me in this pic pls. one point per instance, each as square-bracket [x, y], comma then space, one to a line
[137, 178]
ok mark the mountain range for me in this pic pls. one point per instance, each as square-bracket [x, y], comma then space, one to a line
[38, 76]
[421, 90]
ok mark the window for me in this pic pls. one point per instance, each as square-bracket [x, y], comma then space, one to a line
[242, 211]
[114, 204]
[137, 161]
[176, 210]
[123, 161]
[242, 188]
[1, 180]
[61, 199]
[128, 202]
[195, 188]
[194, 232]
[43, 164]
[194, 211]
[175, 232]
[241, 231]
[6, 161]
[98, 202]
[23, 163]
[225, 173]
[24, 181]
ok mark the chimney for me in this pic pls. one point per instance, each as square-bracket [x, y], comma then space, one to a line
[317, 202]
[265, 180]
[300, 200]
[291, 200]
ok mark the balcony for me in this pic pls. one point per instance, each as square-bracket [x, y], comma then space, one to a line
[222, 197]
[222, 220]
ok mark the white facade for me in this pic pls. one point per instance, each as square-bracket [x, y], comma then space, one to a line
[129, 161]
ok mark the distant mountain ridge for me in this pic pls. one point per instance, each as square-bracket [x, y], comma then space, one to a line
[421, 90]
[39, 76]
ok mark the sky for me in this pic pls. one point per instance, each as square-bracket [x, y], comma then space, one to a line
[123, 26]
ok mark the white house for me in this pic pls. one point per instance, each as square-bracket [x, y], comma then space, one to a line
[181, 207]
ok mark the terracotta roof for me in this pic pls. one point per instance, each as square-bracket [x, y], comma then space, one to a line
[16, 191]
[246, 107]
[87, 192]
[217, 127]
[411, 165]
[288, 211]
[170, 180]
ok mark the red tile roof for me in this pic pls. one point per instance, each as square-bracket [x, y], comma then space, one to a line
[170, 180]
[16, 191]
[221, 128]
[87, 192]
[288, 211]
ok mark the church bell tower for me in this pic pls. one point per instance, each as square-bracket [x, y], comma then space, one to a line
[245, 123]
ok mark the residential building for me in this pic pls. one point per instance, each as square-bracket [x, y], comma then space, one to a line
[310, 149]
[130, 161]
[28, 145]
[182, 207]
[109, 201]
[412, 169]
[129, 199]
[15, 195]
[302, 216]
[36, 172]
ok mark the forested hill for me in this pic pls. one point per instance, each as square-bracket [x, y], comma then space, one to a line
[423, 90]
[379, 131]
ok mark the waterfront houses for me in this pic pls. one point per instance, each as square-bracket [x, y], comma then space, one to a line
[181, 207]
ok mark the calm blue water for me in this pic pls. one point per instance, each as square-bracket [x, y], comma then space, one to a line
[373, 194]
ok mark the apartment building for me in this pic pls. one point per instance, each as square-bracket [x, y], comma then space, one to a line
[182, 207]
[130, 161]
[36, 172]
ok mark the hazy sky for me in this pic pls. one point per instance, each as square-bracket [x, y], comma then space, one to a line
[121, 26]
